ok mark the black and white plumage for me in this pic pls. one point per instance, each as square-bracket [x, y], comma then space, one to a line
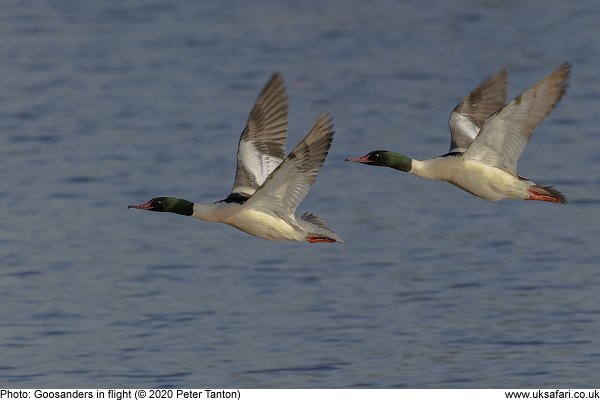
[503, 136]
[268, 186]
[262, 144]
[288, 185]
[469, 115]
[270, 211]
[486, 143]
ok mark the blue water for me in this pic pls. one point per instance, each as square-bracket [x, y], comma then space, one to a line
[109, 103]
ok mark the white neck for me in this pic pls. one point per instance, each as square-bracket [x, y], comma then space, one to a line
[418, 168]
[435, 168]
[206, 212]
[214, 212]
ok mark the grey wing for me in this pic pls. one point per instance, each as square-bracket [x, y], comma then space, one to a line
[262, 143]
[505, 134]
[287, 186]
[468, 116]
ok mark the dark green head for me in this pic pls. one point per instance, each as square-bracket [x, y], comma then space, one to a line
[167, 204]
[384, 158]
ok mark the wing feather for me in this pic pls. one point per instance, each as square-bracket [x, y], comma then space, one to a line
[262, 143]
[289, 184]
[505, 134]
[468, 116]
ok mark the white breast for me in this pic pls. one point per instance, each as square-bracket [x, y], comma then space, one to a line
[249, 220]
[478, 179]
[263, 225]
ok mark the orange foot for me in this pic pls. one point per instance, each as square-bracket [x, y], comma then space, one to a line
[319, 239]
[533, 195]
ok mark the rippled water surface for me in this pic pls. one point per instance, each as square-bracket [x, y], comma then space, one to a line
[104, 104]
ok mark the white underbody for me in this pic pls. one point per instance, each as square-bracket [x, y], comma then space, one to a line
[249, 220]
[478, 179]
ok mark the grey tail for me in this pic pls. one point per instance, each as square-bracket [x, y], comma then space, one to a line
[314, 219]
[551, 192]
[322, 228]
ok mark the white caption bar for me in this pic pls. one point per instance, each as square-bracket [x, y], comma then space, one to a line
[297, 394]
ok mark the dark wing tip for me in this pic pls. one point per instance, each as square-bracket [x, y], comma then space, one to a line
[322, 128]
[565, 68]
[276, 79]
[560, 76]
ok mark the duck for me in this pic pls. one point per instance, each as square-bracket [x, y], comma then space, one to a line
[487, 139]
[268, 186]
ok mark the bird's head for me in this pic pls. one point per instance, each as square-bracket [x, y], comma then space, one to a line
[384, 158]
[167, 204]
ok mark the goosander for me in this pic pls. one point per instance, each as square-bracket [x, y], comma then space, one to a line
[487, 141]
[267, 188]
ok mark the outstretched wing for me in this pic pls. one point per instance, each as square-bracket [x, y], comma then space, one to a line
[505, 134]
[468, 116]
[262, 144]
[287, 186]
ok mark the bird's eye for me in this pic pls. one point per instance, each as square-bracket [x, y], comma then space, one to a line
[376, 155]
